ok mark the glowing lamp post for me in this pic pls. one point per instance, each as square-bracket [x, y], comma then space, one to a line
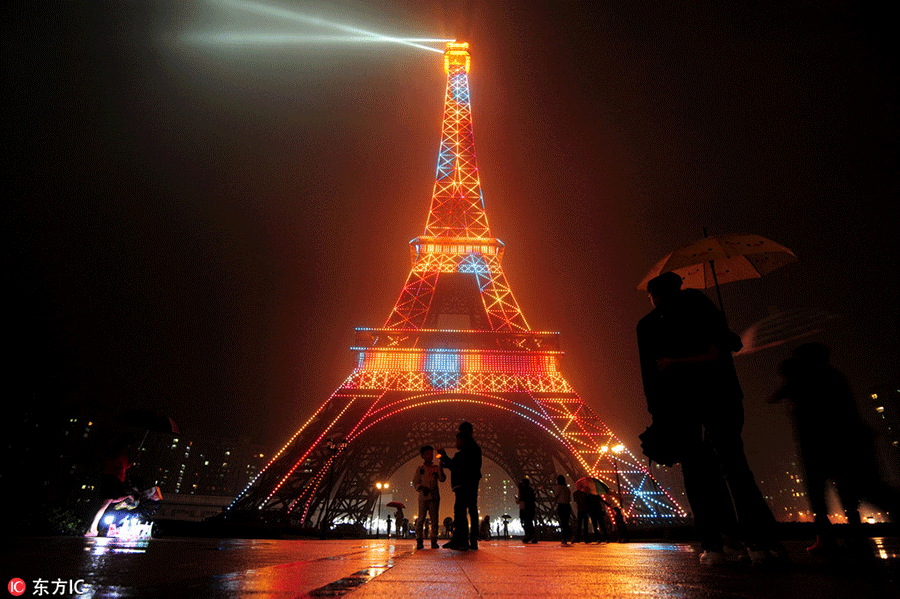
[617, 449]
[381, 487]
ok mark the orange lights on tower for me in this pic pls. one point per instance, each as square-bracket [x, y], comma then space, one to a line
[495, 367]
[457, 55]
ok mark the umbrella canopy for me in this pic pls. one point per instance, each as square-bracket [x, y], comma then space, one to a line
[396, 504]
[722, 259]
[592, 486]
[783, 327]
[711, 261]
[149, 420]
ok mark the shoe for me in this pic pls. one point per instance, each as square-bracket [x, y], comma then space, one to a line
[736, 555]
[772, 555]
[533, 541]
[565, 543]
[421, 545]
[526, 540]
[434, 544]
[712, 558]
[456, 546]
[779, 553]
[473, 546]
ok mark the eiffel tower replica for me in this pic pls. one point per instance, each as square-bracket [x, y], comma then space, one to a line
[455, 347]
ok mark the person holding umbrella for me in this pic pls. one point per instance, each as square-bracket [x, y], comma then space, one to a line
[595, 509]
[823, 408]
[399, 517]
[692, 389]
[580, 497]
[113, 487]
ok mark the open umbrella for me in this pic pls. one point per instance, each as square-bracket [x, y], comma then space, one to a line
[148, 420]
[592, 486]
[783, 327]
[711, 261]
[396, 504]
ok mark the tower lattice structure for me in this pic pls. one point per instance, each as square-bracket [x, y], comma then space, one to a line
[415, 378]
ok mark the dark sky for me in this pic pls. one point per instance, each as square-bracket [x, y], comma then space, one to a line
[200, 229]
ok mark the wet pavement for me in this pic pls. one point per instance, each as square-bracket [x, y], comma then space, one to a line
[393, 569]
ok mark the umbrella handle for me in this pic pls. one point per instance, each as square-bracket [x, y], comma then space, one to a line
[146, 432]
[715, 279]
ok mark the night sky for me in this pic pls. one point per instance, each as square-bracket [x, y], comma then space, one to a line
[199, 229]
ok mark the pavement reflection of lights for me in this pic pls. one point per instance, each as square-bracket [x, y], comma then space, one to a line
[671, 547]
[101, 546]
[882, 551]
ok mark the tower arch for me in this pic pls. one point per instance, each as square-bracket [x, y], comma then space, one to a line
[508, 432]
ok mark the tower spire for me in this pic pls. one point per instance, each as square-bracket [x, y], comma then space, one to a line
[457, 237]
[457, 205]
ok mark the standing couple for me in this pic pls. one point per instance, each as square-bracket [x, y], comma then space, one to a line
[465, 474]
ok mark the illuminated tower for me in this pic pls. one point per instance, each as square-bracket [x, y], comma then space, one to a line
[455, 347]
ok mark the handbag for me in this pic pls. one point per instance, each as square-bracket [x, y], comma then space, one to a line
[665, 444]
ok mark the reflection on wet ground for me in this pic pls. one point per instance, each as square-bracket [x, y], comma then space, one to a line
[381, 568]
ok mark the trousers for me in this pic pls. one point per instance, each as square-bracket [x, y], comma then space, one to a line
[465, 508]
[429, 508]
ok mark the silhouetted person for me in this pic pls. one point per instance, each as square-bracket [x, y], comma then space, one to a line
[833, 441]
[484, 531]
[448, 527]
[692, 389]
[465, 474]
[563, 498]
[579, 496]
[112, 487]
[596, 511]
[527, 508]
[619, 519]
[426, 482]
[398, 521]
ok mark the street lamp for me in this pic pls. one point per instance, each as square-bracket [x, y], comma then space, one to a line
[621, 528]
[617, 449]
[381, 487]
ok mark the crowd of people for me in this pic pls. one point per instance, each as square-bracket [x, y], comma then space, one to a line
[695, 401]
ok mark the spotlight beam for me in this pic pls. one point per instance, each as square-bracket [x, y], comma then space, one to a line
[239, 38]
[273, 11]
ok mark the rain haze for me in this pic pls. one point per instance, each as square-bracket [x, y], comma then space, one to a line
[198, 227]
